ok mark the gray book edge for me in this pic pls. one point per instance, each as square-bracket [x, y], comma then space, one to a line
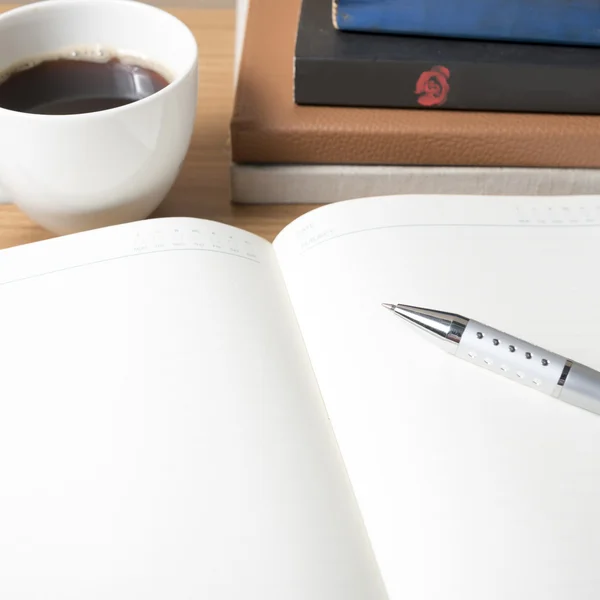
[325, 184]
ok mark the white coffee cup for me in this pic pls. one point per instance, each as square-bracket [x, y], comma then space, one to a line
[76, 172]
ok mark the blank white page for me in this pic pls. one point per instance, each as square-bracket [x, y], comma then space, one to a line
[162, 435]
[471, 486]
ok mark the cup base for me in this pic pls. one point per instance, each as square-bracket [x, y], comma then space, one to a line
[61, 222]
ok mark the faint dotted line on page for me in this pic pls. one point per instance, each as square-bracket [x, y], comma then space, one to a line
[124, 256]
[462, 225]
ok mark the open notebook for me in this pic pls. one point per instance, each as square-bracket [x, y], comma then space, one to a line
[189, 412]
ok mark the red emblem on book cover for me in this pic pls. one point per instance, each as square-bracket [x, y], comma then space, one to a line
[432, 86]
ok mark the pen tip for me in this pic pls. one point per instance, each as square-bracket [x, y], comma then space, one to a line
[388, 306]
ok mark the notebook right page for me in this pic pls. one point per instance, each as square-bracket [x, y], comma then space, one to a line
[471, 486]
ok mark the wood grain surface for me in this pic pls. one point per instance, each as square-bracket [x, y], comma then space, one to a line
[202, 189]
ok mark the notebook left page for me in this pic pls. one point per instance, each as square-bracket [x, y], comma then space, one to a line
[161, 431]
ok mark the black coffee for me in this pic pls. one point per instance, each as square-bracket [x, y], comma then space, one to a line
[64, 86]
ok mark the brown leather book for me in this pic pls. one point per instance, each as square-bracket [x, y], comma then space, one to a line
[267, 127]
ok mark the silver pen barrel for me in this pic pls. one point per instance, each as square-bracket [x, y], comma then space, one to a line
[580, 387]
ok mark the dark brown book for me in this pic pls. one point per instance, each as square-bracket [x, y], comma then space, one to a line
[268, 127]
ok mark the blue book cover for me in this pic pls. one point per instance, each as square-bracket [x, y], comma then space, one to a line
[571, 22]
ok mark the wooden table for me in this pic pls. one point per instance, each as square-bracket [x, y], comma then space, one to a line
[202, 189]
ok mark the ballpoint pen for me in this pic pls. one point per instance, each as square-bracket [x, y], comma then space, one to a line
[508, 356]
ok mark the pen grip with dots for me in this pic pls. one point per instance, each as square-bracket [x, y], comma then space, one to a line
[511, 357]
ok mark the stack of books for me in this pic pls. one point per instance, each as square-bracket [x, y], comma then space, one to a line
[343, 98]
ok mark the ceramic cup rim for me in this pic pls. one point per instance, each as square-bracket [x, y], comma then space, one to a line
[42, 5]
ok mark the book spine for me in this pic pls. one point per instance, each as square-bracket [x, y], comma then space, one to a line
[543, 21]
[473, 86]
